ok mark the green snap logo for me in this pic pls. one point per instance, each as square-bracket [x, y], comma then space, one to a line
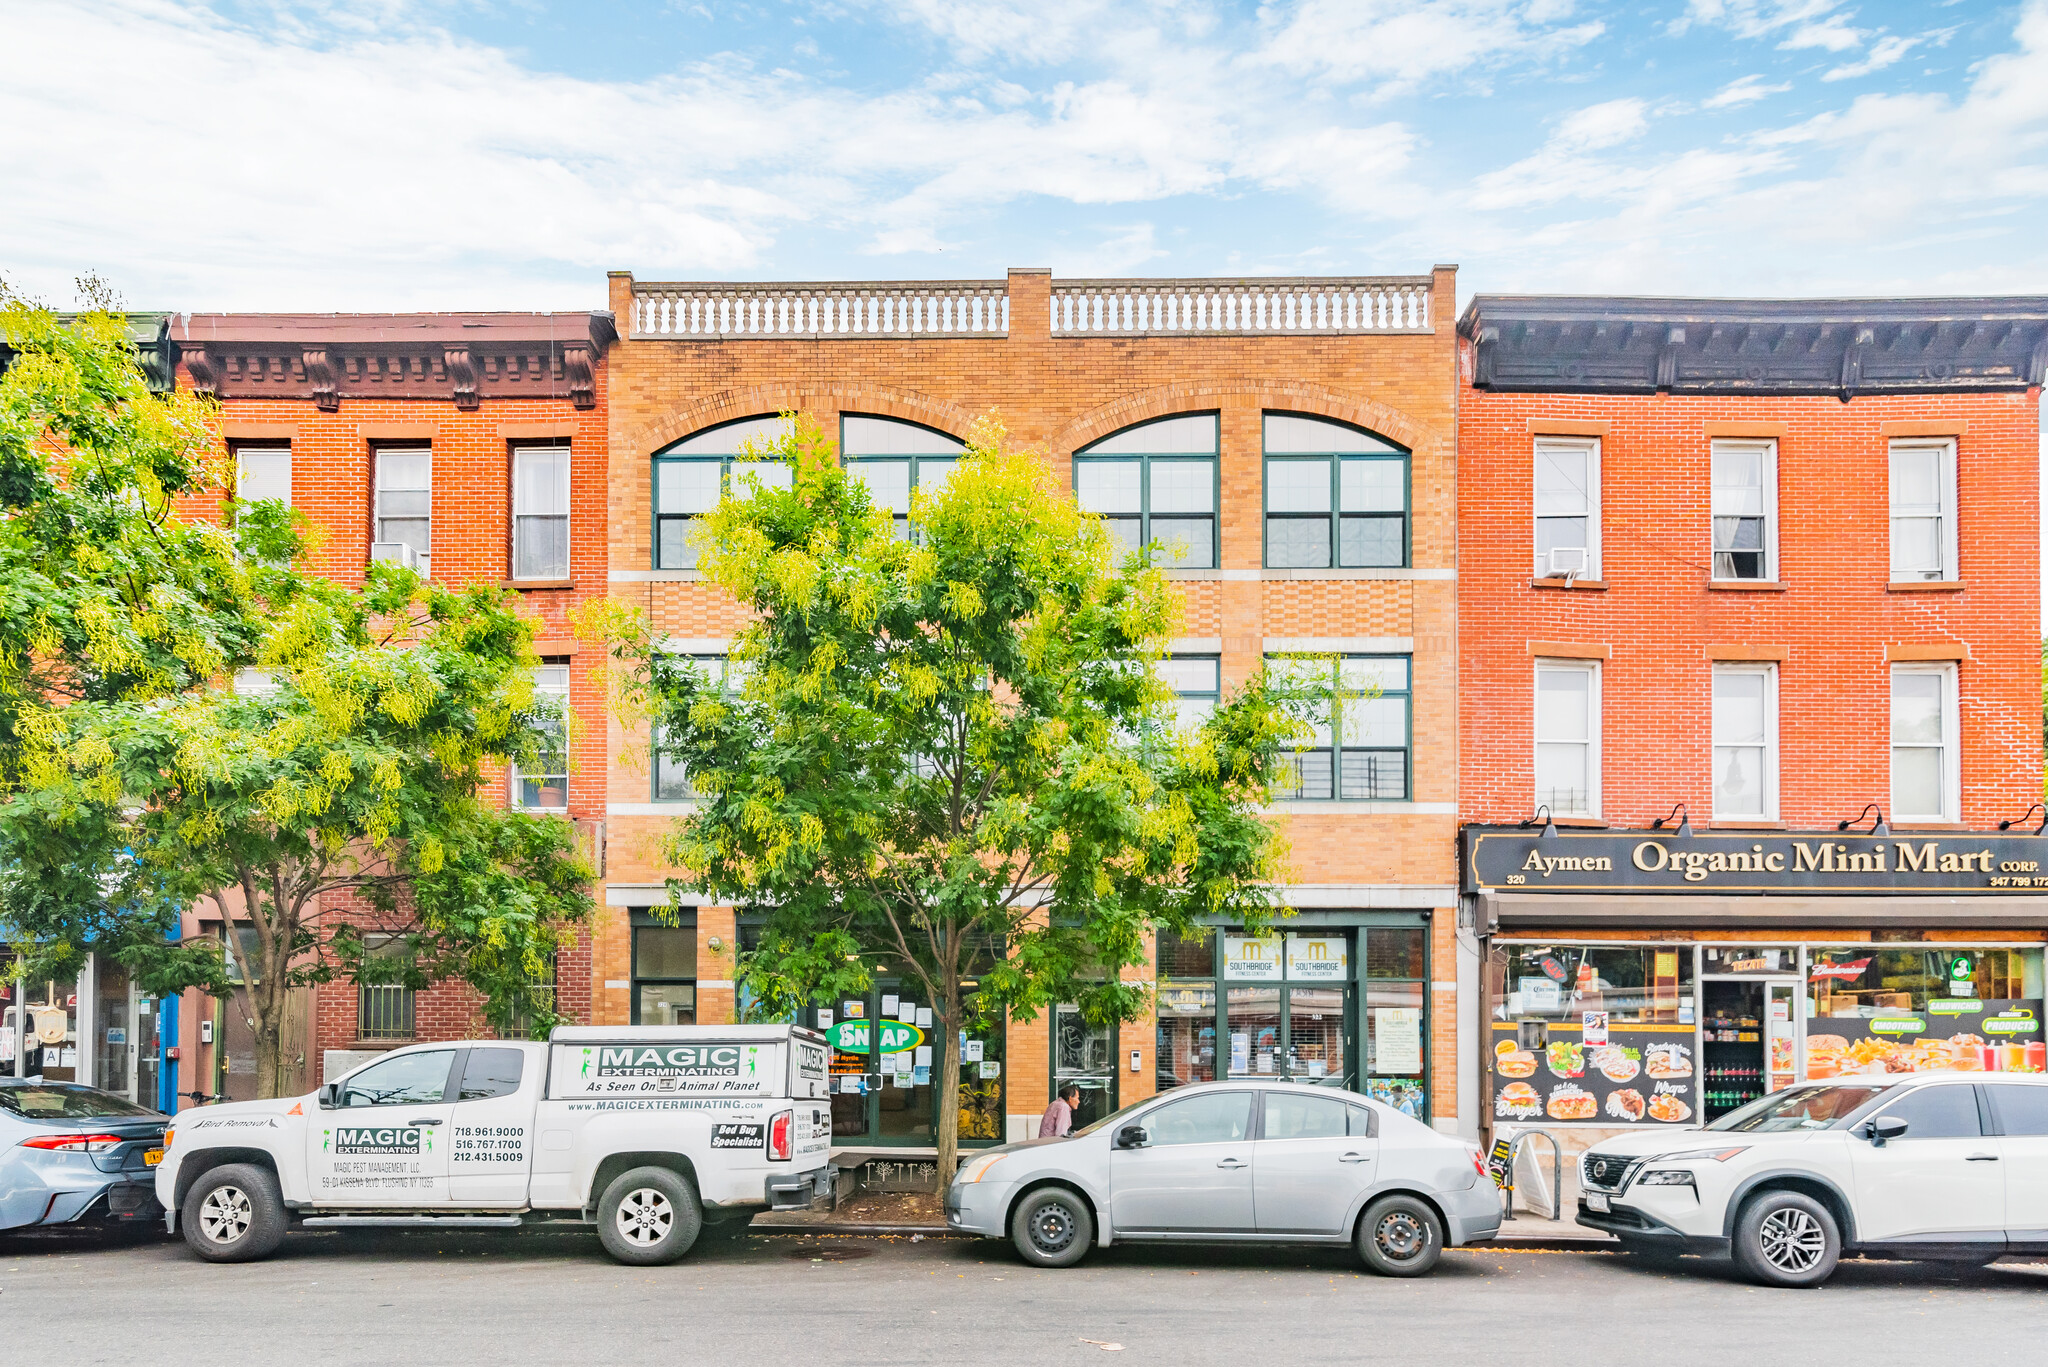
[379, 1139]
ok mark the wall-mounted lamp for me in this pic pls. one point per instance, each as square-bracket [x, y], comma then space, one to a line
[1549, 822]
[1684, 821]
[1879, 829]
[2021, 819]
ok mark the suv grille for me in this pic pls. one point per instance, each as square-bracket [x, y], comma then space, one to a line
[1604, 1170]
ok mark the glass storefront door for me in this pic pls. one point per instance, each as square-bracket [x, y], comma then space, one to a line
[113, 1030]
[1084, 1056]
[886, 1058]
[1290, 1006]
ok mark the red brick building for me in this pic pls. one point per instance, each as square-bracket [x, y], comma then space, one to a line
[1756, 582]
[474, 447]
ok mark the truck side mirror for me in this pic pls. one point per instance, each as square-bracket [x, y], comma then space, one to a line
[330, 1096]
[1882, 1128]
[1130, 1137]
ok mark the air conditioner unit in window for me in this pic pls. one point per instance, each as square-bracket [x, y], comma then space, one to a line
[1569, 561]
[397, 552]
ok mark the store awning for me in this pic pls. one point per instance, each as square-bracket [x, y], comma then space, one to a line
[1506, 910]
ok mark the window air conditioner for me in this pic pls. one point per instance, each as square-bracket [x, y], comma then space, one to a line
[397, 552]
[1569, 561]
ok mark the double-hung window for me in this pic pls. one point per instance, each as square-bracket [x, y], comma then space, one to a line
[263, 472]
[1359, 751]
[1156, 482]
[671, 775]
[692, 475]
[1567, 506]
[1923, 496]
[893, 457]
[1745, 509]
[1335, 496]
[1925, 783]
[540, 512]
[405, 502]
[544, 787]
[1745, 742]
[1197, 684]
[1568, 737]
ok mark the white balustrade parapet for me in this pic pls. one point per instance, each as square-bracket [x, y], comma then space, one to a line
[1258, 307]
[881, 308]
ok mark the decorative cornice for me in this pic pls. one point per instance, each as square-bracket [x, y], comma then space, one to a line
[1844, 347]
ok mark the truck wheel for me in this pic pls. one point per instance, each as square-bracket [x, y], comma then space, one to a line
[1783, 1238]
[649, 1216]
[1052, 1227]
[1400, 1236]
[234, 1214]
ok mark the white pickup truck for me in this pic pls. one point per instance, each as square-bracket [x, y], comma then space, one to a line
[646, 1131]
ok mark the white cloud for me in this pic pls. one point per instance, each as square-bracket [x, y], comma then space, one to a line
[1882, 54]
[1831, 33]
[1746, 90]
[1397, 45]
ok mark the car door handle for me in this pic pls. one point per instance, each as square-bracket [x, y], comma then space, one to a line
[1232, 1163]
[424, 1120]
[1354, 1158]
[1982, 1158]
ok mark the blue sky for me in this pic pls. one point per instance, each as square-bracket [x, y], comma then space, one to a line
[503, 154]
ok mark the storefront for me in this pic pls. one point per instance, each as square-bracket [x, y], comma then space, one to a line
[1641, 978]
[97, 1029]
[887, 1054]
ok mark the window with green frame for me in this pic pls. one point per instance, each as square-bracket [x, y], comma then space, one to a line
[694, 473]
[1156, 481]
[1359, 752]
[892, 457]
[1336, 496]
[1197, 684]
[671, 778]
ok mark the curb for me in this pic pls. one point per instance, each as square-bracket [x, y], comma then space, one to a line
[928, 1231]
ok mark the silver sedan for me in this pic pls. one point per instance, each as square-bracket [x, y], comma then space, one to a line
[1269, 1162]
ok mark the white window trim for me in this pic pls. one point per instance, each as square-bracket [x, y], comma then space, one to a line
[1951, 743]
[1951, 568]
[1770, 747]
[1769, 446]
[377, 491]
[568, 757]
[568, 513]
[1593, 730]
[1591, 446]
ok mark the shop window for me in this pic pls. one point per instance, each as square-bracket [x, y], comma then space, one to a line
[1923, 508]
[1631, 984]
[545, 786]
[1746, 742]
[664, 971]
[1156, 483]
[263, 473]
[671, 777]
[1360, 752]
[1568, 737]
[1745, 509]
[404, 512]
[892, 458]
[1924, 770]
[1567, 506]
[1335, 496]
[1185, 1044]
[692, 475]
[1394, 1021]
[540, 512]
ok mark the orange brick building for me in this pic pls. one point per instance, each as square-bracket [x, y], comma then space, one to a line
[469, 445]
[1756, 582]
[1298, 435]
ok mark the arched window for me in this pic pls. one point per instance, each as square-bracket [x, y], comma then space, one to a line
[892, 457]
[1156, 482]
[693, 474]
[1335, 496]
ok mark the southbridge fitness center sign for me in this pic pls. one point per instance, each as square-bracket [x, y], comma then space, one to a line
[1803, 862]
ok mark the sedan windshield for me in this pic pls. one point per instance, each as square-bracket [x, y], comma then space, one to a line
[1814, 1107]
[61, 1101]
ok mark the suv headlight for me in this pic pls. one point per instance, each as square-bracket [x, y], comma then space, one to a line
[1670, 1177]
[976, 1169]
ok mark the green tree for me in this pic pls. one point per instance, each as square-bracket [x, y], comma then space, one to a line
[951, 750]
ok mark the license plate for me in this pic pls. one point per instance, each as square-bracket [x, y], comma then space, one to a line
[1595, 1201]
[152, 1157]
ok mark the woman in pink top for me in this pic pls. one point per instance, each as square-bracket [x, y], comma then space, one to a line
[1058, 1120]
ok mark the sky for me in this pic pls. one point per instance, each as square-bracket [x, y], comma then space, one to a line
[419, 154]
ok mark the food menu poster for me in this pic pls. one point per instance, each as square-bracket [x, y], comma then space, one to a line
[1968, 1034]
[1644, 1074]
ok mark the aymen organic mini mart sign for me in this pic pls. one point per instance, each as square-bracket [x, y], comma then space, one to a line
[1518, 860]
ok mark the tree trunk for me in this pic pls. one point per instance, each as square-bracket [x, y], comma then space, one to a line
[948, 1019]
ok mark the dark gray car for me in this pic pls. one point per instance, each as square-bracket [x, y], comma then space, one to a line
[1242, 1161]
[72, 1155]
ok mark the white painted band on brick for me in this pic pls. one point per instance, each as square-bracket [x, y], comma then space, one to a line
[696, 645]
[725, 983]
[644, 895]
[1383, 895]
[656, 576]
[1362, 808]
[1278, 576]
[1387, 645]
[1195, 645]
[649, 808]
[1443, 987]
[621, 983]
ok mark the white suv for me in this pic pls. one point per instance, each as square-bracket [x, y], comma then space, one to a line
[1947, 1166]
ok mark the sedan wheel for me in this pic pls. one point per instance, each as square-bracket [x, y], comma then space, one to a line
[1784, 1238]
[1052, 1227]
[1400, 1236]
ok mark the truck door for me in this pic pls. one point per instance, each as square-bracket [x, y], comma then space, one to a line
[490, 1150]
[385, 1140]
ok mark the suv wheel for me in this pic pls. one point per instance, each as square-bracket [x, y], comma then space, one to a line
[1783, 1238]
[234, 1214]
[1400, 1236]
[648, 1216]
[1052, 1227]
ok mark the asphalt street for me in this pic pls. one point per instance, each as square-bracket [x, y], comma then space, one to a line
[549, 1295]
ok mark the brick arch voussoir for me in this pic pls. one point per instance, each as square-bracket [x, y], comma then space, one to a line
[1294, 396]
[731, 404]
